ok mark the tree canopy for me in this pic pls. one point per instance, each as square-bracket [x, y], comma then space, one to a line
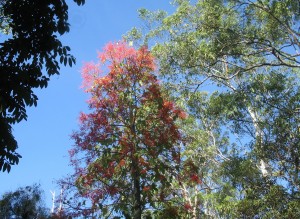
[127, 150]
[30, 54]
[24, 203]
[234, 65]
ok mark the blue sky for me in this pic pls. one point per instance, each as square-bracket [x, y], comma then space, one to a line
[44, 139]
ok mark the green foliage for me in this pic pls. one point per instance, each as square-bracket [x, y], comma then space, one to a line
[24, 203]
[30, 48]
[243, 135]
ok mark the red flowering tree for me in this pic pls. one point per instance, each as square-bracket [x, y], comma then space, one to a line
[126, 150]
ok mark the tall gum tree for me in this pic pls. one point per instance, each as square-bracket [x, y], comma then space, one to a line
[127, 149]
[246, 53]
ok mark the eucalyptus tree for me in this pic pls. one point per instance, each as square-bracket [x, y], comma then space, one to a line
[245, 54]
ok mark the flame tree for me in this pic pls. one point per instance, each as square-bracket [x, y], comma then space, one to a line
[127, 149]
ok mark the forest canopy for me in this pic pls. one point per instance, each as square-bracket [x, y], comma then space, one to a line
[234, 65]
[194, 114]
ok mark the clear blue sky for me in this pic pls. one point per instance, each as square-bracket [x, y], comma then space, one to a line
[44, 139]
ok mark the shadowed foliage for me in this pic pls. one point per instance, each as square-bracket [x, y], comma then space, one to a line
[30, 52]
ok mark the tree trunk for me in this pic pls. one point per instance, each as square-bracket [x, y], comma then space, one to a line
[263, 165]
[137, 205]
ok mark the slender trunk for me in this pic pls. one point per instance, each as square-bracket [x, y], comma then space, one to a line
[53, 201]
[263, 166]
[195, 208]
[137, 206]
[255, 120]
[137, 202]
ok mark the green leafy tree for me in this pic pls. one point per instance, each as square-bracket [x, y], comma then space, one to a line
[24, 203]
[273, 191]
[30, 54]
[201, 162]
[126, 153]
[245, 53]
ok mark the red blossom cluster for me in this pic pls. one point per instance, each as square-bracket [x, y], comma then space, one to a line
[195, 178]
[187, 206]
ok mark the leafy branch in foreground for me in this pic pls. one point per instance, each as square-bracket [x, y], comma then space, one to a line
[30, 53]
